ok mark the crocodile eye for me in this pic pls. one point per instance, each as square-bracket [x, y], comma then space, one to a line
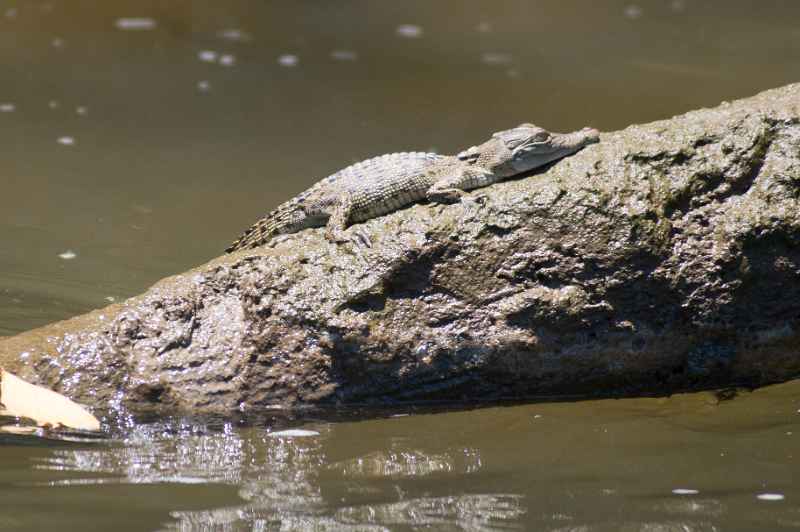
[541, 136]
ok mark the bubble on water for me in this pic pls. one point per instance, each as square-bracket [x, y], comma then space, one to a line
[135, 23]
[294, 433]
[68, 255]
[678, 5]
[633, 12]
[7, 107]
[81, 110]
[685, 491]
[53, 104]
[203, 86]
[58, 42]
[410, 31]
[288, 60]
[484, 27]
[227, 60]
[208, 56]
[770, 497]
[11, 12]
[344, 55]
[66, 141]
[110, 299]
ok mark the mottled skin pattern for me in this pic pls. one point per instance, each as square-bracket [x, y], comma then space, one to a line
[383, 184]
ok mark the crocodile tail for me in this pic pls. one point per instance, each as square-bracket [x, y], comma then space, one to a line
[280, 220]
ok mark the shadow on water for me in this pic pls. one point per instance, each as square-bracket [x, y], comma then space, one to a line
[140, 138]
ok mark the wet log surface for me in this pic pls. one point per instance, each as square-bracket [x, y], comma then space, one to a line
[665, 258]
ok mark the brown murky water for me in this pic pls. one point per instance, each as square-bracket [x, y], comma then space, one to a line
[139, 138]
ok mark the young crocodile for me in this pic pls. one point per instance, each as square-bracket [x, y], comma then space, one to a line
[386, 183]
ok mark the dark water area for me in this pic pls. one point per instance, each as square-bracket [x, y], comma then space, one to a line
[140, 138]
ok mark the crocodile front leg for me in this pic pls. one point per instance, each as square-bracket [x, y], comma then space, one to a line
[451, 187]
[338, 222]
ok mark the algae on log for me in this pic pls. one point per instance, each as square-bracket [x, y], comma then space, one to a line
[666, 257]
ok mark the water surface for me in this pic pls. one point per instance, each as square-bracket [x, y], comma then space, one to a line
[140, 138]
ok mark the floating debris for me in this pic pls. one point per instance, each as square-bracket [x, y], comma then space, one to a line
[633, 12]
[294, 433]
[234, 34]
[53, 104]
[68, 255]
[45, 407]
[685, 491]
[11, 12]
[7, 107]
[81, 110]
[58, 42]
[344, 55]
[410, 31]
[770, 497]
[203, 86]
[227, 60]
[135, 23]
[288, 60]
[208, 56]
[66, 141]
[496, 58]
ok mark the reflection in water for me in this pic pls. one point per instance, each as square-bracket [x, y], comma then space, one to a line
[286, 479]
[465, 512]
[409, 463]
[682, 463]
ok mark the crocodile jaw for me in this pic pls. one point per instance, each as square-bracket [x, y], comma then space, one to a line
[558, 145]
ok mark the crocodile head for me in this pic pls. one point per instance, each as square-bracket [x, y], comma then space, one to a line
[530, 146]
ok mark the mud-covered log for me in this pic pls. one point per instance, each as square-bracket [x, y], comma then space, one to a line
[667, 257]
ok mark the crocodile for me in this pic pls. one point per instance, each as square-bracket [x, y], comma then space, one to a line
[386, 183]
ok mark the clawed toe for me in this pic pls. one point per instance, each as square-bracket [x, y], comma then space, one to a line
[361, 237]
[357, 237]
[445, 196]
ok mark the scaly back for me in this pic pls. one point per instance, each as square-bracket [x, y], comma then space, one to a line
[311, 207]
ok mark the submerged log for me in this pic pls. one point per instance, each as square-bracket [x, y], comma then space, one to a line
[665, 258]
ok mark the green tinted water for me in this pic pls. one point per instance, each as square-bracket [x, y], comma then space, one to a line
[139, 138]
